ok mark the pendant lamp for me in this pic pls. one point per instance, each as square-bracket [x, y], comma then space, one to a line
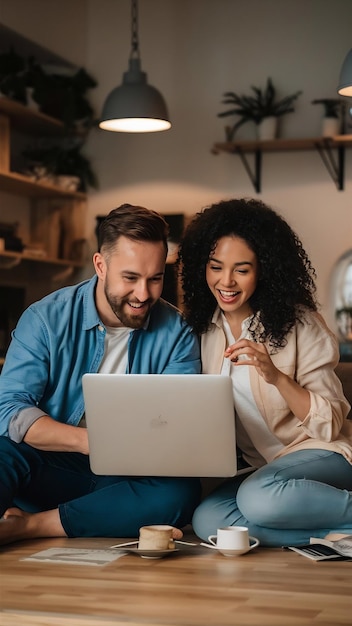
[135, 106]
[345, 83]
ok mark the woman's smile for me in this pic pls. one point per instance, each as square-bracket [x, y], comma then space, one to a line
[228, 296]
[232, 275]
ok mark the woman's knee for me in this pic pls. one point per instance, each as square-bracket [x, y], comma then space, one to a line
[271, 496]
[254, 502]
[206, 519]
[217, 510]
[264, 498]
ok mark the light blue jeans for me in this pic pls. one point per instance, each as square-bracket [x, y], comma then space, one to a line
[301, 495]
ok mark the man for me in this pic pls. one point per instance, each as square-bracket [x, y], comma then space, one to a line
[114, 322]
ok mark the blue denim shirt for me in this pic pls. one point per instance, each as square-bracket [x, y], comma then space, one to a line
[61, 337]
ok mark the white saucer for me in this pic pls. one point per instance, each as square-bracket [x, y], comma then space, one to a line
[150, 554]
[225, 551]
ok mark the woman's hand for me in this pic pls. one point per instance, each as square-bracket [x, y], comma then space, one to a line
[246, 352]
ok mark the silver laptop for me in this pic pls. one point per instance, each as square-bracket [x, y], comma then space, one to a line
[160, 424]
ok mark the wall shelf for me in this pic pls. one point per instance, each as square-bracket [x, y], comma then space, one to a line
[57, 215]
[18, 184]
[14, 115]
[29, 120]
[330, 149]
[53, 224]
[51, 207]
[9, 259]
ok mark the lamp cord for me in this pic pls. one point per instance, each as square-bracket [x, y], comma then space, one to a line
[134, 30]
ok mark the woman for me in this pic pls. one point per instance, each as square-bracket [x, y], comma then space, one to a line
[249, 293]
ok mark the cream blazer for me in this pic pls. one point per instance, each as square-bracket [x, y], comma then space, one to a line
[309, 357]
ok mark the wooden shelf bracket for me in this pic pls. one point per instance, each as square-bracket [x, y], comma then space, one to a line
[330, 149]
[256, 174]
[336, 169]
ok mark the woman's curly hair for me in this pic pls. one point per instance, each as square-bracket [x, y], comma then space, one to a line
[286, 278]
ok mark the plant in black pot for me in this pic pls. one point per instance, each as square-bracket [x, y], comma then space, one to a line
[64, 96]
[257, 107]
[333, 113]
[12, 76]
[332, 106]
[59, 161]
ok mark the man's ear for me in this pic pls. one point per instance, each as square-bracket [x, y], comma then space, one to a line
[99, 265]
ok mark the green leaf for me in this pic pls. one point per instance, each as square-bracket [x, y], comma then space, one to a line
[258, 106]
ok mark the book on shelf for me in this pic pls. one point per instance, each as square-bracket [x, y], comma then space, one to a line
[325, 549]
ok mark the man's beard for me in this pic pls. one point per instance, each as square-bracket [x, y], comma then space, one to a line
[118, 306]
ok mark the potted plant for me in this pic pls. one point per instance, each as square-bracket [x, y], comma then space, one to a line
[12, 76]
[64, 96]
[333, 109]
[57, 162]
[60, 93]
[256, 108]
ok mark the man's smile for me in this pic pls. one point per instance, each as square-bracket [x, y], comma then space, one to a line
[137, 305]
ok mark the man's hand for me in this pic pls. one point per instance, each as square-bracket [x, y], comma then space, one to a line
[47, 434]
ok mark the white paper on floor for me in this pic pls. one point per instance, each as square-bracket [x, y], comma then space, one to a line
[76, 556]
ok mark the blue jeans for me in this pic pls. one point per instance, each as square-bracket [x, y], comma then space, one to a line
[90, 505]
[301, 495]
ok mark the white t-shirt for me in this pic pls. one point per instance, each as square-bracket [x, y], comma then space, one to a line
[259, 435]
[115, 354]
[115, 350]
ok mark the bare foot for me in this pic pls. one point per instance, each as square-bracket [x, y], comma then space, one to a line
[176, 533]
[14, 511]
[14, 526]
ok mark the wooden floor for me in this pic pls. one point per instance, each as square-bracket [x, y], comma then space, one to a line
[195, 587]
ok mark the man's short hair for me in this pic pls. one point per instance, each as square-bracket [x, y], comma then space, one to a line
[134, 222]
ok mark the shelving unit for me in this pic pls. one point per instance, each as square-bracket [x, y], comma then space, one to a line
[49, 204]
[330, 149]
[52, 218]
[30, 121]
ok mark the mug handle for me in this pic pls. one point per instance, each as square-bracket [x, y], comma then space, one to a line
[212, 539]
[255, 543]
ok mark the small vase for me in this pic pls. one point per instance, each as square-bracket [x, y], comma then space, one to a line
[267, 128]
[32, 104]
[330, 126]
[69, 183]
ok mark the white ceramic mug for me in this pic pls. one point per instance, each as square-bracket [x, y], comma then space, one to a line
[233, 540]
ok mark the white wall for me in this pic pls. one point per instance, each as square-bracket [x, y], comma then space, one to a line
[193, 51]
[58, 25]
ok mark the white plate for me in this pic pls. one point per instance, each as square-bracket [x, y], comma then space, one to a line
[150, 554]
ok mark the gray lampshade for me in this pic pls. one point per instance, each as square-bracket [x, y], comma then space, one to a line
[345, 83]
[135, 106]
